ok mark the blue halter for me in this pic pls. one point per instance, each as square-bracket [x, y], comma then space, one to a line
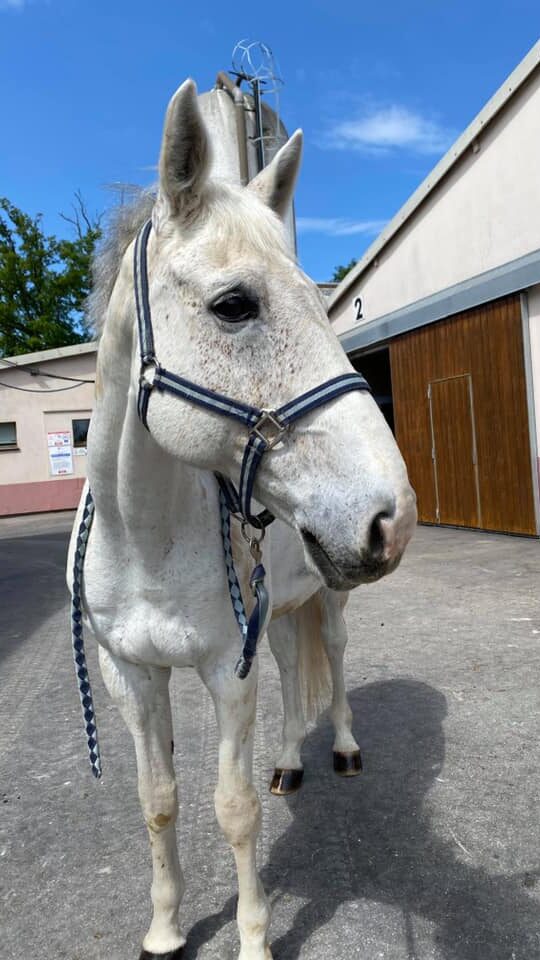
[266, 428]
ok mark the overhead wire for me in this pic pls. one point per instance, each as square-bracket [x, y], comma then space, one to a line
[36, 372]
[11, 386]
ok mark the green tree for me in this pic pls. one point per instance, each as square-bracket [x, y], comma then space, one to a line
[44, 280]
[341, 271]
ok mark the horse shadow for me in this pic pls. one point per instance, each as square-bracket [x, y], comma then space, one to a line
[371, 839]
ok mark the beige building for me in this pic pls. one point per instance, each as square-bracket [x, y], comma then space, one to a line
[442, 315]
[46, 402]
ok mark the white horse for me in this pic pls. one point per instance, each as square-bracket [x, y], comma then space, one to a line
[232, 311]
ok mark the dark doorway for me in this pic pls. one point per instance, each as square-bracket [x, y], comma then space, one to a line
[375, 367]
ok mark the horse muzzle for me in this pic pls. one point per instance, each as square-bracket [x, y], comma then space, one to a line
[379, 553]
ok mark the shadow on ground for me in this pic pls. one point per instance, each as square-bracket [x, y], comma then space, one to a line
[371, 839]
[32, 585]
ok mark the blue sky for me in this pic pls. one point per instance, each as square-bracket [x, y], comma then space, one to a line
[381, 89]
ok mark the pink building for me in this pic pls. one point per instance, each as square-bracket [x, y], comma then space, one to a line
[43, 425]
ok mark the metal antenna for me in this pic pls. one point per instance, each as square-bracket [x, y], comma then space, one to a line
[254, 63]
[253, 59]
[124, 191]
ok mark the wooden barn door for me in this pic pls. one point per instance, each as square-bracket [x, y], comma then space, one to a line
[454, 451]
[476, 424]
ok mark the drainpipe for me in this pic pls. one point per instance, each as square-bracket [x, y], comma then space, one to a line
[224, 82]
[258, 122]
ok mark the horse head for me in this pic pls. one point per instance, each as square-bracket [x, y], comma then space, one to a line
[232, 311]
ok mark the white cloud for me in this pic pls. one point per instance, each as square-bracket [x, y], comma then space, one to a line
[339, 226]
[391, 128]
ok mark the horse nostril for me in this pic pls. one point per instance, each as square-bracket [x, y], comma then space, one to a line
[377, 538]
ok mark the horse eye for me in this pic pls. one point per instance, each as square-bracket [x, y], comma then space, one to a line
[236, 307]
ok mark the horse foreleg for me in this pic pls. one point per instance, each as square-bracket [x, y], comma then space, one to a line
[289, 770]
[347, 757]
[238, 808]
[142, 695]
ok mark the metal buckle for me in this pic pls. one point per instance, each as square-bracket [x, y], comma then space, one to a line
[269, 417]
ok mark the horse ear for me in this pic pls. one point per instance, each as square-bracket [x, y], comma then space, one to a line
[275, 184]
[185, 152]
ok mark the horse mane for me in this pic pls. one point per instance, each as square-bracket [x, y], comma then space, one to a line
[236, 231]
[123, 223]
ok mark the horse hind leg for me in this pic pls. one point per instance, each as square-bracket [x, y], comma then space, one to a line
[347, 756]
[289, 769]
[142, 695]
[297, 642]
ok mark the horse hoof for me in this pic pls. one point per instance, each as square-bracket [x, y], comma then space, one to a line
[348, 764]
[286, 781]
[171, 955]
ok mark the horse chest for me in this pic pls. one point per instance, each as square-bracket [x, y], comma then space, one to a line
[169, 613]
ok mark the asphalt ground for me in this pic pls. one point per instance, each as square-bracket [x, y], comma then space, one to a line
[431, 854]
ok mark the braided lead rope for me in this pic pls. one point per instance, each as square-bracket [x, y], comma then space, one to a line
[81, 670]
[232, 580]
[251, 629]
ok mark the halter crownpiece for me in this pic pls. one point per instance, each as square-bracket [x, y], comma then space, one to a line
[266, 427]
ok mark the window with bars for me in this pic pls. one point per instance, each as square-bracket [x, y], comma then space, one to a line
[8, 435]
[80, 432]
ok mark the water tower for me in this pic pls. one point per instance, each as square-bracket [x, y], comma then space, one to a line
[242, 116]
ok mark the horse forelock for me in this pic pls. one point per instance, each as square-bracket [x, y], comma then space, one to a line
[235, 223]
[238, 226]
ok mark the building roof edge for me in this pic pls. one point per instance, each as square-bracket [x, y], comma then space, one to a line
[55, 353]
[492, 108]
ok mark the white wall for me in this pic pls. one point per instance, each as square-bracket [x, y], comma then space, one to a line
[485, 213]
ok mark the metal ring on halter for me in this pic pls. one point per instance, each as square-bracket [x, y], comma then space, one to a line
[146, 362]
[243, 526]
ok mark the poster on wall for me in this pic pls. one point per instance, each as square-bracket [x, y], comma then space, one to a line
[59, 438]
[60, 453]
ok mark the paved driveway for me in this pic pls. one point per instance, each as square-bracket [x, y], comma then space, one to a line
[432, 854]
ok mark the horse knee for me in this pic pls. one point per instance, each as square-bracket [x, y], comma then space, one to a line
[160, 806]
[238, 813]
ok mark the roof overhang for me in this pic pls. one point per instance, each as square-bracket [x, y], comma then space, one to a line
[55, 353]
[512, 277]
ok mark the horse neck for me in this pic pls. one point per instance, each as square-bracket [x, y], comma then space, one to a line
[139, 490]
